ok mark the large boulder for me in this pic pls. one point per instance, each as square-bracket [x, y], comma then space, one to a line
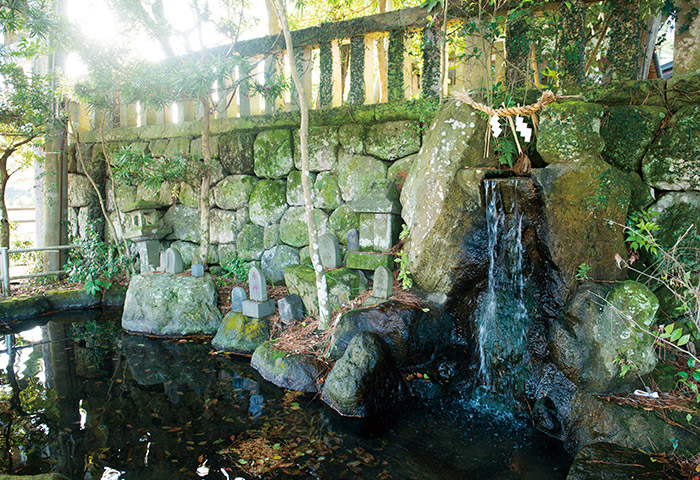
[275, 260]
[268, 202]
[586, 207]
[233, 192]
[671, 161]
[441, 200]
[393, 140]
[601, 328]
[293, 229]
[236, 152]
[364, 381]
[411, 334]
[570, 132]
[185, 223]
[171, 305]
[326, 193]
[286, 370]
[343, 284]
[627, 131]
[323, 148]
[250, 242]
[240, 334]
[273, 154]
[358, 172]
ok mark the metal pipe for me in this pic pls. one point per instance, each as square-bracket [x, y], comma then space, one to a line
[8, 344]
[42, 249]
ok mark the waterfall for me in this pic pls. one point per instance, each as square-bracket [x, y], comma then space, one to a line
[502, 319]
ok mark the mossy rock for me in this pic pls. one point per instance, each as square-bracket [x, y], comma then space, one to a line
[341, 221]
[586, 204]
[683, 91]
[157, 147]
[188, 195]
[323, 148]
[42, 476]
[224, 225]
[275, 260]
[236, 152]
[80, 192]
[301, 280]
[125, 194]
[233, 192]
[69, 299]
[273, 154]
[671, 161]
[393, 140]
[286, 370]
[271, 236]
[628, 131]
[188, 250]
[369, 261]
[185, 222]
[268, 202]
[295, 192]
[677, 211]
[196, 147]
[293, 229]
[115, 296]
[326, 193]
[358, 172]
[249, 243]
[399, 169]
[570, 132]
[607, 461]
[641, 194]
[160, 195]
[23, 307]
[240, 334]
[352, 138]
[177, 147]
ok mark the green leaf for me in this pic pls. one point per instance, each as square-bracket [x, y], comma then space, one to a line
[683, 340]
[676, 334]
[683, 375]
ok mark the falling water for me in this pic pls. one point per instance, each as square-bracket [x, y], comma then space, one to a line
[502, 319]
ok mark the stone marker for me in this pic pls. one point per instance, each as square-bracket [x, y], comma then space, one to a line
[257, 285]
[291, 308]
[383, 283]
[353, 240]
[329, 251]
[163, 260]
[173, 261]
[197, 270]
[258, 306]
[238, 295]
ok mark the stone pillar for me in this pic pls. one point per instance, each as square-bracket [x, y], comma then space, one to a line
[517, 51]
[431, 61]
[686, 45]
[395, 81]
[326, 67]
[357, 71]
[573, 43]
[626, 52]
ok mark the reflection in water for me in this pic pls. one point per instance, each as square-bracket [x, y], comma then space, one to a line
[131, 407]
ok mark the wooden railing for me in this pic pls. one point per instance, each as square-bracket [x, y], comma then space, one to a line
[353, 62]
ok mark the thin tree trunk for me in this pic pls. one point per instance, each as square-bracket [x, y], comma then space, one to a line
[321, 287]
[4, 218]
[206, 180]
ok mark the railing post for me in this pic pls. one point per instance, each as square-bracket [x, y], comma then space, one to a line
[357, 71]
[431, 61]
[302, 58]
[338, 80]
[244, 99]
[369, 69]
[396, 86]
[5, 268]
[326, 67]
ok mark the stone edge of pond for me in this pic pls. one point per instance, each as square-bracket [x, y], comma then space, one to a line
[24, 307]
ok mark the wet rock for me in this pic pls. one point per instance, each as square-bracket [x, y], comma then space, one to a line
[364, 380]
[570, 132]
[441, 199]
[671, 162]
[240, 334]
[171, 305]
[301, 280]
[607, 461]
[628, 131]
[411, 334]
[295, 372]
[23, 306]
[598, 328]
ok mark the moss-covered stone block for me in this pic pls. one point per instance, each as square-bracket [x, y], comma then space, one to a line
[627, 131]
[271, 237]
[227, 253]
[286, 370]
[641, 194]
[326, 193]
[249, 243]
[369, 261]
[268, 202]
[295, 192]
[157, 147]
[677, 211]
[23, 306]
[301, 280]
[273, 153]
[80, 192]
[341, 221]
[569, 132]
[124, 194]
[393, 140]
[185, 222]
[224, 225]
[398, 171]
[671, 163]
[188, 195]
[178, 147]
[358, 172]
[352, 138]
[293, 229]
[236, 152]
[683, 91]
[69, 299]
[276, 259]
[196, 147]
[323, 148]
[240, 334]
[160, 194]
[233, 192]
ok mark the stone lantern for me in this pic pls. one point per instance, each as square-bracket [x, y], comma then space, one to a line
[144, 227]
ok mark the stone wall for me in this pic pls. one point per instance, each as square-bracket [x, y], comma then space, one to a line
[256, 203]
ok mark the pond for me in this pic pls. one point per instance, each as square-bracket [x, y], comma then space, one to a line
[101, 404]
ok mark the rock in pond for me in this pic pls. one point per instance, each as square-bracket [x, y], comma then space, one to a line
[171, 305]
[295, 372]
[411, 334]
[24, 306]
[240, 334]
[364, 380]
[606, 461]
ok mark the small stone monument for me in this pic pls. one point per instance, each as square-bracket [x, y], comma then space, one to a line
[173, 261]
[383, 286]
[258, 306]
[238, 295]
[291, 308]
[329, 251]
[161, 268]
[197, 266]
[353, 240]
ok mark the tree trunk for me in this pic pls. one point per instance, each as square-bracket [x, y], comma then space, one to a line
[686, 45]
[321, 287]
[573, 43]
[206, 179]
[4, 218]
